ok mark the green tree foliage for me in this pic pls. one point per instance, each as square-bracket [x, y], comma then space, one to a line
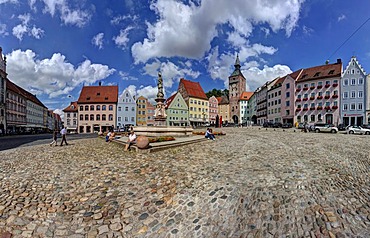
[218, 93]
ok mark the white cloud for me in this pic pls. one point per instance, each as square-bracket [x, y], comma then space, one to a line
[341, 17]
[126, 76]
[60, 112]
[32, 4]
[149, 92]
[54, 76]
[3, 31]
[171, 72]
[68, 16]
[22, 29]
[266, 31]
[190, 35]
[307, 31]
[98, 40]
[122, 39]
[10, 1]
[257, 77]
[236, 39]
[118, 19]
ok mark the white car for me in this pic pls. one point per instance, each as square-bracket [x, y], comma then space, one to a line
[358, 130]
[323, 127]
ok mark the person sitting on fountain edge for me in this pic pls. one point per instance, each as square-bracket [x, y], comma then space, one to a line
[209, 135]
[131, 140]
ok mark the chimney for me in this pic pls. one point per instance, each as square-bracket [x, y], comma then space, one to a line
[99, 83]
[339, 61]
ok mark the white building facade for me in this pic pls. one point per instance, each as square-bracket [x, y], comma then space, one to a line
[126, 110]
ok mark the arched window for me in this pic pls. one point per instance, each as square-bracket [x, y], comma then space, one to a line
[98, 117]
[86, 117]
[92, 108]
[104, 117]
[110, 117]
[98, 107]
[81, 117]
[86, 108]
[110, 107]
[81, 108]
[104, 107]
[91, 117]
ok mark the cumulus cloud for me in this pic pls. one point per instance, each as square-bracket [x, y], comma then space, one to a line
[149, 92]
[53, 77]
[341, 17]
[171, 72]
[257, 77]
[127, 76]
[122, 39]
[121, 18]
[68, 16]
[190, 35]
[22, 29]
[98, 40]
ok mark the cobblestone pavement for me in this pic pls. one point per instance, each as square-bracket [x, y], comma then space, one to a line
[249, 183]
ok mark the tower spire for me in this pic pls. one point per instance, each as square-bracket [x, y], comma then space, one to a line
[237, 62]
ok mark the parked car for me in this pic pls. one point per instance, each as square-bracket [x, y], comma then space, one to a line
[268, 124]
[324, 127]
[301, 125]
[367, 126]
[342, 127]
[277, 125]
[287, 125]
[358, 130]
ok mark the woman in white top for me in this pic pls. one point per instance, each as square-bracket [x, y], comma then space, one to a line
[131, 140]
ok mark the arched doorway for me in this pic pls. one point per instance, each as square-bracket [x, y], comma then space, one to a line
[329, 118]
[236, 119]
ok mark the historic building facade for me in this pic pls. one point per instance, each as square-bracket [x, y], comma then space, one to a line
[223, 110]
[196, 100]
[317, 94]
[274, 101]
[16, 108]
[213, 110]
[177, 111]
[244, 115]
[97, 108]
[150, 114]
[353, 99]
[71, 117]
[141, 111]
[237, 85]
[287, 97]
[3, 77]
[126, 110]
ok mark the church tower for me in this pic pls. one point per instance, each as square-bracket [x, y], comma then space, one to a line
[237, 85]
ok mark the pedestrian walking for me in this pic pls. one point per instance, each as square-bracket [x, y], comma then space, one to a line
[55, 137]
[63, 132]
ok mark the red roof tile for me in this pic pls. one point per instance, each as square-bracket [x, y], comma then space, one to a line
[320, 72]
[71, 108]
[193, 89]
[29, 96]
[246, 96]
[222, 100]
[98, 94]
[169, 100]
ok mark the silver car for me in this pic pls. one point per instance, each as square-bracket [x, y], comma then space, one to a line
[358, 130]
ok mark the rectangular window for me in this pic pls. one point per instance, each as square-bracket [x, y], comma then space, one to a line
[360, 81]
[287, 85]
[353, 106]
[353, 81]
[312, 118]
[345, 82]
[353, 94]
[345, 107]
[287, 94]
[287, 103]
[345, 95]
[359, 106]
[360, 94]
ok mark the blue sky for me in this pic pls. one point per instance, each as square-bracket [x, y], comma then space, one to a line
[54, 47]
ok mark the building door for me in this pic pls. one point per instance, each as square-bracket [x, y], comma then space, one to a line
[360, 121]
[353, 121]
[88, 129]
[236, 119]
[346, 121]
[81, 129]
[329, 118]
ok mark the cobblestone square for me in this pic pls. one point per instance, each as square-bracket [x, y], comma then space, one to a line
[250, 183]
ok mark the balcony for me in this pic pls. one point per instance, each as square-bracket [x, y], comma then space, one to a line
[327, 96]
[319, 97]
[298, 109]
[327, 85]
[298, 100]
[335, 107]
[305, 99]
[305, 88]
[298, 90]
[319, 86]
[312, 87]
[312, 98]
[305, 109]
[335, 96]
[335, 85]
[312, 108]
[319, 108]
[327, 108]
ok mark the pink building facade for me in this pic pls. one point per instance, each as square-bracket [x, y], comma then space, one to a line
[213, 110]
[317, 94]
[288, 97]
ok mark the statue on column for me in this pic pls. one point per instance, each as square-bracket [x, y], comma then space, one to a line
[160, 86]
[160, 111]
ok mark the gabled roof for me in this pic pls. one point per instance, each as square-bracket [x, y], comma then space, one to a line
[169, 100]
[10, 86]
[246, 96]
[222, 100]
[29, 96]
[321, 72]
[71, 108]
[354, 59]
[193, 89]
[295, 74]
[98, 94]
